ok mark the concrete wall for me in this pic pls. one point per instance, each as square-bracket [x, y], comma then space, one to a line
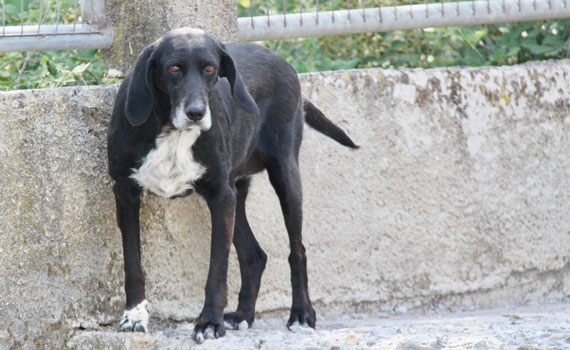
[137, 23]
[458, 198]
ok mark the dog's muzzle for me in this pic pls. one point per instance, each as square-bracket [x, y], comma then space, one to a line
[188, 117]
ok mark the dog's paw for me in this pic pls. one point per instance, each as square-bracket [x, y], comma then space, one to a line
[236, 321]
[306, 317]
[135, 319]
[208, 330]
[303, 329]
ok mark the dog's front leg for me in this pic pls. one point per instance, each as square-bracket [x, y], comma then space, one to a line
[210, 324]
[127, 197]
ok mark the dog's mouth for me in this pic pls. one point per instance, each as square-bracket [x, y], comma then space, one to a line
[201, 124]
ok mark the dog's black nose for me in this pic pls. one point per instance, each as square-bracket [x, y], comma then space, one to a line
[195, 113]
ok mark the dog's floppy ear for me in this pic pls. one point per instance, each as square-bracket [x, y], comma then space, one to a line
[140, 90]
[239, 91]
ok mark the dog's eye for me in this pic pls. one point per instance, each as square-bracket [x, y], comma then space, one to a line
[174, 69]
[209, 69]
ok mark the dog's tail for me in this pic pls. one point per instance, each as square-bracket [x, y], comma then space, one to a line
[318, 121]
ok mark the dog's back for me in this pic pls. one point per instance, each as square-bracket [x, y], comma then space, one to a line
[269, 78]
[274, 85]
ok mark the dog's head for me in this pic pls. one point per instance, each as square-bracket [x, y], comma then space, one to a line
[182, 68]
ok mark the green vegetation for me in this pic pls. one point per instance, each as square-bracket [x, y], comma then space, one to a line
[433, 47]
[34, 70]
[31, 70]
[424, 48]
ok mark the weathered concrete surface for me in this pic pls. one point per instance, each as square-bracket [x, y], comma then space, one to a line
[459, 198]
[138, 23]
[59, 253]
[530, 327]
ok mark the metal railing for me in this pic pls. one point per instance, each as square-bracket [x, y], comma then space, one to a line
[267, 24]
[83, 26]
[53, 25]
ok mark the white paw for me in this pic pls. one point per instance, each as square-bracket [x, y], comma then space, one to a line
[242, 326]
[135, 319]
[199, 338]
[208, 331]
[303, 328]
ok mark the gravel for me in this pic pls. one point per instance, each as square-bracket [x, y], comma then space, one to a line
[531, 327]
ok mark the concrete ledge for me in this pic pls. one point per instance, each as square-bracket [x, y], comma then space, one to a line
[458, 199]
[541, 326]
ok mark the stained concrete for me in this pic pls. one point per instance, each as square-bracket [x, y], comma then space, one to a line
[458, 198]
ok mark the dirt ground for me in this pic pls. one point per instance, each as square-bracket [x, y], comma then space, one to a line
[531, 327]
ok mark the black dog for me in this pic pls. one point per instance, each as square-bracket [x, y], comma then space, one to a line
[177, 128]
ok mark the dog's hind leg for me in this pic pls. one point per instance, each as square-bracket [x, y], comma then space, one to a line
[286, 180]
[252, 261]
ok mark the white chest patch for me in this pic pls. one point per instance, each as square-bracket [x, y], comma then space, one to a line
[169, 169]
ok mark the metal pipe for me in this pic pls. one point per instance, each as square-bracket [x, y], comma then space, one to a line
[484, 13]
[22, 16]
[3, 17]
[267, 11]
[317, 13]
[65, 39]
[284, 14]
[58, 15]
[41, 15]
[74, 14]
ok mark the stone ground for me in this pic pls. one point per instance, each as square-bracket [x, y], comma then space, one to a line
[531, 327]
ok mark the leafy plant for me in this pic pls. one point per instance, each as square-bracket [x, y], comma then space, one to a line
[34, 70]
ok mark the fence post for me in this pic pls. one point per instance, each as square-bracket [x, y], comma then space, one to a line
[138, 23]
